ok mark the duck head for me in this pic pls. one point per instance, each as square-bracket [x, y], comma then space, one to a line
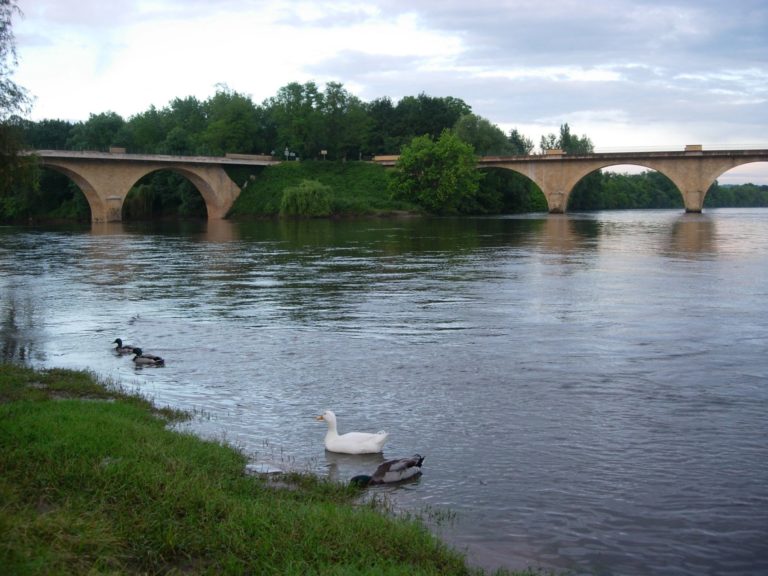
[327, 416]
[360, 481]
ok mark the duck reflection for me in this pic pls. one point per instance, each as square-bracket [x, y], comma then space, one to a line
[341, 467]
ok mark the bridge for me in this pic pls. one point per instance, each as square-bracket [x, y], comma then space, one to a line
[106, 178]
[692, 170]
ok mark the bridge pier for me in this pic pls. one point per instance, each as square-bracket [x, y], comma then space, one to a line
[694, 201]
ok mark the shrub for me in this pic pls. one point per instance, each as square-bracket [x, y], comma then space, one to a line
[310, 198]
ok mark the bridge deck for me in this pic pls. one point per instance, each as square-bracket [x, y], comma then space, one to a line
[233, 159]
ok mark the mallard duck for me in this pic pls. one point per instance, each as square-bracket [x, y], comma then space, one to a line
[391, 471]
[351, 442]
[142, 359]
[121, 348]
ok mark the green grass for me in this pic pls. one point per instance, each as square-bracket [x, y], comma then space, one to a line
[357, 188]
[93, 482]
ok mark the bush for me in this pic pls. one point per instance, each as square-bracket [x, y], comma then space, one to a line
[310, 198]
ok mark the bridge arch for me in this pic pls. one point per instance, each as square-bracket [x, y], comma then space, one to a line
[517, 192]
[95, 201]
[202, 187]
[107, 185]
[692, 171]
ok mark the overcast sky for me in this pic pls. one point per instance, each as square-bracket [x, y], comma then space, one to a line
[630, 75]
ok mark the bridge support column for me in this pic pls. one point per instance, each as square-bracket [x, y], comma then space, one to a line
[555, 181]
[693, 200]
[555, 202]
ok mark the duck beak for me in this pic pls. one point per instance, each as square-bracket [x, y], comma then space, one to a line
[319, 418]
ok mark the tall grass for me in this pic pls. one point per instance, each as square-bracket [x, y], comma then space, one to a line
[93, 481]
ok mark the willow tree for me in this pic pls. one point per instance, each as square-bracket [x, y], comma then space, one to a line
[14, 100]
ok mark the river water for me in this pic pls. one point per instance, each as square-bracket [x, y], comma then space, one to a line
[590, 390]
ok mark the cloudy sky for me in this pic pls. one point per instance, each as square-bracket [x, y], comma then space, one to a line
[629, 74]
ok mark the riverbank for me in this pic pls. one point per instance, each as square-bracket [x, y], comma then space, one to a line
[356, 189]
[93, 481]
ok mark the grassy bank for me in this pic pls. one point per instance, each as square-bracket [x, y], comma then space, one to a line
[92, 481]
[357, 188]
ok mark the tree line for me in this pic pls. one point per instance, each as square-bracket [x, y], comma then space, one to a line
[303, 119]
[437, 138]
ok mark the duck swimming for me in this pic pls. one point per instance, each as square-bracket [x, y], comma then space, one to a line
[391, 471]
[142, 359]
[351, 442]
[121, 348]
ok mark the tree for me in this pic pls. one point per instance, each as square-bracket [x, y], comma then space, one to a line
[426, 115]
[345, 123]
[310, 198]
[441, 176]
[295, 111]
[233, 123]
[99, 132]
[487, 139]
[566, 142]
[46, 134]
[13, 100]
[519, 144]
[381, 138]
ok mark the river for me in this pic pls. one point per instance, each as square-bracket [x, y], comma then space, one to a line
[590, 390]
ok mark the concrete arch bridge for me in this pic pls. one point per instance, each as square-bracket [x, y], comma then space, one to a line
[106, 177]
[692, 170]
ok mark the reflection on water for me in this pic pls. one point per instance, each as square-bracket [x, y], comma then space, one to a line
[693, 235]
[588, 389]
[19, 327]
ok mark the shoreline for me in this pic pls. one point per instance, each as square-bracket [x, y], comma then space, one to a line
[94, 480]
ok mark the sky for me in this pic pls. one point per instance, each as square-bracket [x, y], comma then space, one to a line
[632, 75]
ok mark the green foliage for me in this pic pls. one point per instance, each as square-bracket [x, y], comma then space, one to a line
[612, 191]
[567, 142]
[233, 124]
[99, 133]
[519, 144]
[487, 139]
[357, 188]
[739, 195]
[13, 98]
[163, 194]
[440, 176]
[15, 169]
[507, 192]
[309, 199]
[427, 115]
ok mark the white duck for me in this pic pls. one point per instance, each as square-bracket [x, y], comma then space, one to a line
[351, 442]
[391, 471]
